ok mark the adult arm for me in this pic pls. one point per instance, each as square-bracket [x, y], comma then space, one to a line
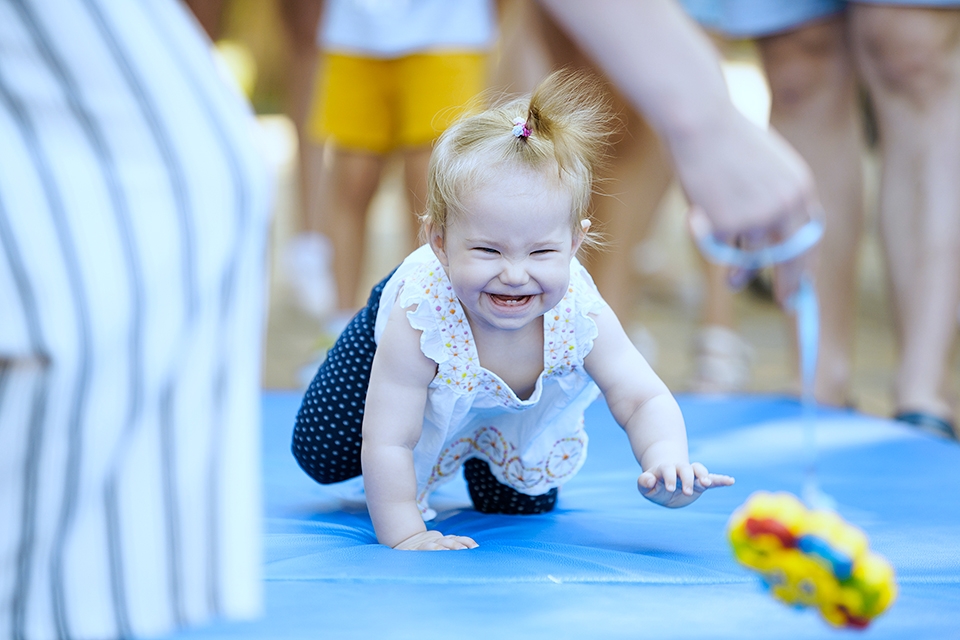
[749, 184]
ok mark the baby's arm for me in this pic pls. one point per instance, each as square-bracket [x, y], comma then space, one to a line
[392, 423]
[648, 412]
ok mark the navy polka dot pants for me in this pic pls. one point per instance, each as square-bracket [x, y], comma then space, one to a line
[327, 433]
[326, 437]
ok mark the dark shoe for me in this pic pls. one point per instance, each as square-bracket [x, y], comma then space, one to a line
[929, 423]
[489, 495]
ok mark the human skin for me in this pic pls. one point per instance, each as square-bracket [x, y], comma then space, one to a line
[507, 255]
[909, 59]
[815, 106]
[746, 184]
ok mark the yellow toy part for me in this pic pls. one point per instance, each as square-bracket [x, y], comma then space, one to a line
[812, 558]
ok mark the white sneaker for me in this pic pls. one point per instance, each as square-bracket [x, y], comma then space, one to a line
[722, 361]
[306, 269]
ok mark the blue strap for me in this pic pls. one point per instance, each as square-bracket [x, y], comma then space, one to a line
[796, 245]
[804, 304]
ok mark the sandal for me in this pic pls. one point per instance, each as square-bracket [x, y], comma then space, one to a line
[722, 361]
[928, 423]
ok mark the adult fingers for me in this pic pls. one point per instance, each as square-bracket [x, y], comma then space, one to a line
[719, 247]
[785, 242]
[789, 273]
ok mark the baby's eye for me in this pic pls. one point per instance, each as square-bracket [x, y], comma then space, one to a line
[486, 250]
[544, 251]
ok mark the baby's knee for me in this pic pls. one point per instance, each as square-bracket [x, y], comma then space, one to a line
[324, 465]
[328, 452]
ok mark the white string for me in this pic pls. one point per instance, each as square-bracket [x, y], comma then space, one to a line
[805, 306]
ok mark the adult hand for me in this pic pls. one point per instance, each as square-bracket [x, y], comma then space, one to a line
[750, 194]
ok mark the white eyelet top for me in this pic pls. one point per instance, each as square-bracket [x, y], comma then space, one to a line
[531, 445]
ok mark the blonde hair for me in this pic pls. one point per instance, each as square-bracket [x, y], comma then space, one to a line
[569, 123]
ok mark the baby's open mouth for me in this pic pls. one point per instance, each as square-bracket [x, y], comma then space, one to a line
[509, 301]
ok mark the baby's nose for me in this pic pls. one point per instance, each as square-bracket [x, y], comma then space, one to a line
[514, 273]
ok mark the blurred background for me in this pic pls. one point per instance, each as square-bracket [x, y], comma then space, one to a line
[269, 47]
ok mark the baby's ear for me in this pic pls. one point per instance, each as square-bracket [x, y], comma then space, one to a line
[436, 240]
[581, 235]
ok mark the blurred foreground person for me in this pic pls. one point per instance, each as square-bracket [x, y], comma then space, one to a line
[133, 214]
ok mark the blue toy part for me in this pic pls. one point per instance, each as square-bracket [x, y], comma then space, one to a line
[796, 245]
[838, 563]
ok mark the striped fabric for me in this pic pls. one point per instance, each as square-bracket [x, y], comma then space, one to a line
[133, 215]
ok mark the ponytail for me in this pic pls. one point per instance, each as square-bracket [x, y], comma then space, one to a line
[564, 125]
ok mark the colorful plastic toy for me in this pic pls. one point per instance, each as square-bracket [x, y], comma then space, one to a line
[812, 558]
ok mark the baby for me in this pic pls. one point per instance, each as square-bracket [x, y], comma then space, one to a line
[485, 346]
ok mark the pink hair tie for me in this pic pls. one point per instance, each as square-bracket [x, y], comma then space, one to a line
[520, 129]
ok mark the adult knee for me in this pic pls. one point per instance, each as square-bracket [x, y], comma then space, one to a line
[907, 51]
[805, 64]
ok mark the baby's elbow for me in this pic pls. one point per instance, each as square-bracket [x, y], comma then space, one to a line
[403, 442]
[626, 410]
[637, 407]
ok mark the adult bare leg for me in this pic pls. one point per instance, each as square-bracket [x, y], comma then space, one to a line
[815, 107]
[350, 179]
[415, 163]
[910, 61]
[300, 19]
[632, 190]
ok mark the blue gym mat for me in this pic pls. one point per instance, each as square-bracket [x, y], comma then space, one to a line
[606, 563]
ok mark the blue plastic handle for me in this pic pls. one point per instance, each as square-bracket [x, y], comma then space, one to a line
[804, 304]
[796, 245]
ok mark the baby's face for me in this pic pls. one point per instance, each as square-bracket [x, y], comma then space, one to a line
[507, 253]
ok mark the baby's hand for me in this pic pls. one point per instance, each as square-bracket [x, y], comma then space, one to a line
[661, 485]
[435, 541]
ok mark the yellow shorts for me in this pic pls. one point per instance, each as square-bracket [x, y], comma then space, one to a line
[369, 104]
